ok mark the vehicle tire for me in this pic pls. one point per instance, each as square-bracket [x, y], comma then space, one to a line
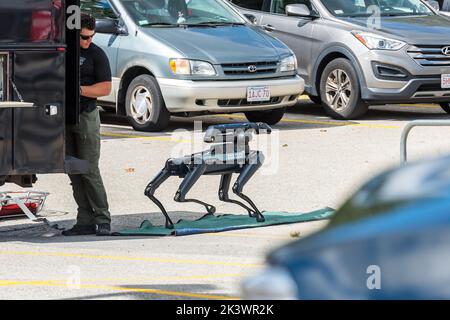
[315, 99]
[270, 117]
[340, 91]
[144, 104]
[445, 106]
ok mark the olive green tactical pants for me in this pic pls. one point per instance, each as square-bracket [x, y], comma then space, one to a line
[83, 142]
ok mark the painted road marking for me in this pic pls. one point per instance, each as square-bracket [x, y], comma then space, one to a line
[420, 105]
[167, 278]
[285, 120]
[427, 105]
[333, 123]
[63, 284]
[129, 258]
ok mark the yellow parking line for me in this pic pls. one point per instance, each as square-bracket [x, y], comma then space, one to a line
[284, 120]
[62, 284]
[168, 278]
[128, 258]
[420, 105]
[332, 123]
[350, 124]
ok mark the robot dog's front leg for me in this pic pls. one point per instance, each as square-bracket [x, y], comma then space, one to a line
[150, 191]
[255, 161]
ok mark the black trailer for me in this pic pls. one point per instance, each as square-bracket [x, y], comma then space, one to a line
[39, 89]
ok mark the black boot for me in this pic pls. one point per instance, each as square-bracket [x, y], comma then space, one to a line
[78, 230]
[103, 229]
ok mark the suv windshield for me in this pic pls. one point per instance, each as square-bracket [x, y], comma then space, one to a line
[164, 13]
[363, 8]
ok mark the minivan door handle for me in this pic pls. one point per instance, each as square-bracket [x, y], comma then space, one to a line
[268, 27]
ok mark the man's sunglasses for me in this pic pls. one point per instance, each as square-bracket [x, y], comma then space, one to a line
[84, 37]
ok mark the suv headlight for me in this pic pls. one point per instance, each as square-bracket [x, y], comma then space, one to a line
[191, 67]
[375, 42]
[289, 64]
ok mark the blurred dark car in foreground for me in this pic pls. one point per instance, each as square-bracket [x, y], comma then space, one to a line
[390, 240]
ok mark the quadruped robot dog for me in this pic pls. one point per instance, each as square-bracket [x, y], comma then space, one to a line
[230, 153]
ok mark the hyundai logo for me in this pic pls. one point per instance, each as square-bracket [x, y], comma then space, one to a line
[446, 50]
[253, 68]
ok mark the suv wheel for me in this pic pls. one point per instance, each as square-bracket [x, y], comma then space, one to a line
[145, 106]
[445, 106]
[270, 117]
[340, 91]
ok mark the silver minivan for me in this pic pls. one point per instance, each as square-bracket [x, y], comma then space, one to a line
[191, 57]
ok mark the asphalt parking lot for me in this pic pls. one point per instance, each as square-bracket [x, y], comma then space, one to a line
[314, 162]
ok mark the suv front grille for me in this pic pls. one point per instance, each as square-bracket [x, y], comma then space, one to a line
[429, 55]
[250, 68]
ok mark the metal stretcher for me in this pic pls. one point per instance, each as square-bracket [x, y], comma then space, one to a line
[29, 203]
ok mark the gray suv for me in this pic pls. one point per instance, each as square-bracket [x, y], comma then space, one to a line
[356, 53]
[191, 57]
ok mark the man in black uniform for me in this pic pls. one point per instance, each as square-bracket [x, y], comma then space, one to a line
[83, 140]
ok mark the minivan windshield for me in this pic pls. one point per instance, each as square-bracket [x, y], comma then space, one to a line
[365, 8]
[166, 13]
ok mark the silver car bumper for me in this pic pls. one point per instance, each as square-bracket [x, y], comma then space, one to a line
[227, 96]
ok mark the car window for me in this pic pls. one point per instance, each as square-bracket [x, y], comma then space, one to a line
[279, 6]
[350, 8]
[166, 13]
[99, 9]
[249, 4]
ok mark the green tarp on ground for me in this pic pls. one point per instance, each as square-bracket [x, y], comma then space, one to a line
[227, 222]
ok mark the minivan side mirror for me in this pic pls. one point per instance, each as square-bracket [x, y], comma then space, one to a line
[299, 10]
[108, 26]
[251, 17]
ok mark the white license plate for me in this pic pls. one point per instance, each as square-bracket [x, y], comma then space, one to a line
[258, 94]
[445, 81]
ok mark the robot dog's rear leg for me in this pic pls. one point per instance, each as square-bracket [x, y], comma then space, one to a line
[225, 181]
[189, 180]
[150, 191]
[255, 161]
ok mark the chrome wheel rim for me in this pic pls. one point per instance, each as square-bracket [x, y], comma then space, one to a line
[141, 105]
[338, 90]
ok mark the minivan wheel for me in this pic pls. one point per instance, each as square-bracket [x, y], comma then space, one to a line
[270, 117]
[340, 91]
[445, 106]
[144, 104]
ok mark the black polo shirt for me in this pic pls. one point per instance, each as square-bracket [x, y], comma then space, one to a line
[94, 68]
